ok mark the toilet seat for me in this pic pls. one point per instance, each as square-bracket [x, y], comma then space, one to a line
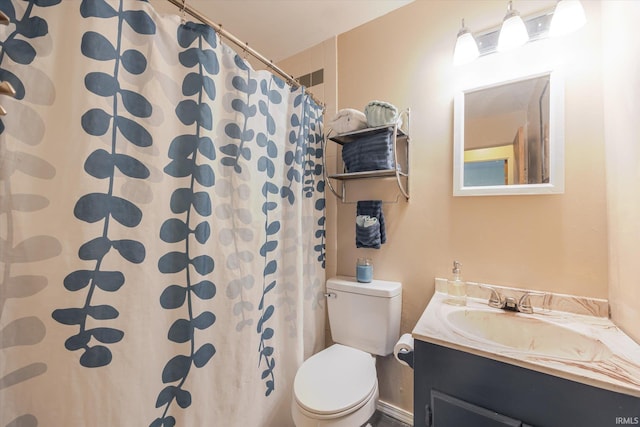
[369, 400]
[335, 382]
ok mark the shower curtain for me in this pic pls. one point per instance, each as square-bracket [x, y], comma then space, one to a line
[161, 223]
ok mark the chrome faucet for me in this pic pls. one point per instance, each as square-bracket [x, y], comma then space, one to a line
[522, 305]
[495, 300]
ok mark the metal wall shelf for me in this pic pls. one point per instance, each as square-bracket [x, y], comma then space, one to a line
[400, 155]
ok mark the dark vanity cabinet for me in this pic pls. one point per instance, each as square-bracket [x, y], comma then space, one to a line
[457, 389]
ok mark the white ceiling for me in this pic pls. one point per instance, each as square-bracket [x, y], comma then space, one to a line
[279, 29]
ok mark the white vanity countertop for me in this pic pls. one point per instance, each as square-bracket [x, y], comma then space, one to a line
[619, 371]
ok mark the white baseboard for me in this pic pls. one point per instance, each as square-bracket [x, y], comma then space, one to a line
[395, 412]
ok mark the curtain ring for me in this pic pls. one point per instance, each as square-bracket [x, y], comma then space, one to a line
[183, 18]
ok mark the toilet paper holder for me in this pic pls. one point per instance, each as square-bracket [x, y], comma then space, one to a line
[403, 350]
[406, 356]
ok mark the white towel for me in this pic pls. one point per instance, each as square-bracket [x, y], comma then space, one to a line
[380, 113]
[348, 120]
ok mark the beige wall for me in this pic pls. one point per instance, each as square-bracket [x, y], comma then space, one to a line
[622, 110]
[556, 243]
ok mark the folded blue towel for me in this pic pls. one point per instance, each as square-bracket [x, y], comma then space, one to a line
[373, 235]
[370, 152]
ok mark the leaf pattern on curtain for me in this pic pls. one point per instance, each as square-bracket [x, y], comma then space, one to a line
[302, 161]
[17, 54]
[104, 165]
[272, 230]
[190, 154]
[175, 168]
[310, 141]
[234, 155]
[237, 152]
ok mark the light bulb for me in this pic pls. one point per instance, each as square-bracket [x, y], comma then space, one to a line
[513, 32]
[466, 49]
[567, 17]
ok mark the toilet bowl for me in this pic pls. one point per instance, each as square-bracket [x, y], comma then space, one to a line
[336, 387]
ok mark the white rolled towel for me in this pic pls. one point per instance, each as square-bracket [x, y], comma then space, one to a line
[380, 113]
[348, 120]
[404, 344]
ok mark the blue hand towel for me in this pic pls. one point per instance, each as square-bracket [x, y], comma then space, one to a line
[369, 152]
[373, 235]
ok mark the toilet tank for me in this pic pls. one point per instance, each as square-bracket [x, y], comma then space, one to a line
[365, 316]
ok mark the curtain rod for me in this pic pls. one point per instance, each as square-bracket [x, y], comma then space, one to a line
[244, 46]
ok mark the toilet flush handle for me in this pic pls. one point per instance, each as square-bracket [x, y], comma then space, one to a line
[330, 295]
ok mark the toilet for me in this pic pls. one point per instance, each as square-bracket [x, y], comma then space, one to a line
[338, 387]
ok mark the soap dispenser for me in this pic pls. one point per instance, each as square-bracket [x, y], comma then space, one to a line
[456, 288]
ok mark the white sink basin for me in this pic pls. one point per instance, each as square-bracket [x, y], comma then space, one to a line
[527, 335]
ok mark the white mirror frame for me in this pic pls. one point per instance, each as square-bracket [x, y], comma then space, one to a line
[556, 144]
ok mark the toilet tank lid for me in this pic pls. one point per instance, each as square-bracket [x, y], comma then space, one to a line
[377, 288]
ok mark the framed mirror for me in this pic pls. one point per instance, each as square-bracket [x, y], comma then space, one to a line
[509, 137]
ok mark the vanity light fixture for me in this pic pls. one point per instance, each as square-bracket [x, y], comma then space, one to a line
[568, 16]
[513, 32]
[466, 47]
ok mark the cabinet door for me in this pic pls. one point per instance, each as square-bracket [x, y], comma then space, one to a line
[448, 411]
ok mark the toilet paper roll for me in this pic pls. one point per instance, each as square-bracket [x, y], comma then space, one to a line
[405, 345]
